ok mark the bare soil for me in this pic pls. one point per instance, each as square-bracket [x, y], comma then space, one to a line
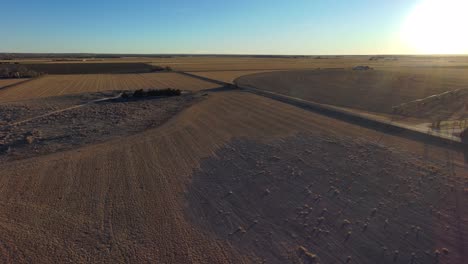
[252, 63]
[451, 105]
[226, 76]
[376, 90]
[231, 178]
[25, 131]
[129, 199]
[9, 82]
[340, 199]
[89, 68]
[56, 85]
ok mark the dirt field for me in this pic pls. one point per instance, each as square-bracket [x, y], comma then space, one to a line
[136, 199]
[374, 90]
[231, 177]
[8, 82]
[313, 62]
[226, 76]
[451, 105]
[27, 128]
[88, 68]
[252, 63]
[332, 197]
[54, 85]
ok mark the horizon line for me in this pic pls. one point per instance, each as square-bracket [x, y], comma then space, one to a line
[225, 54]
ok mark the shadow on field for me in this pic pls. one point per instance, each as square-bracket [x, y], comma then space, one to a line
[330, 199]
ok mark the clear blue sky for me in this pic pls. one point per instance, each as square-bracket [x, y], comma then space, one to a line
[204, 26]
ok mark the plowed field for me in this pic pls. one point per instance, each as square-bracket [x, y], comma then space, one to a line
[8, 82]
[54, 85]
[238, 178]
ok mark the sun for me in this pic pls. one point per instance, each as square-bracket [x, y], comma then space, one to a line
[437, 27]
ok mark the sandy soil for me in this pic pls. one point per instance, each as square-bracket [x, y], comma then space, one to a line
[54, 85]
[134, 199]
[374, 90]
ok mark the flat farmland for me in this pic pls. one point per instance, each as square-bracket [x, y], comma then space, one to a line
[374, 90]
[253, 64]
[297, 63]
[246, 63]
[56, 85]
[8, 82]
[226, 76]
[88, 67]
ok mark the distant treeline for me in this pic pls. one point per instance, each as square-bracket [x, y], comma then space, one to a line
[92, 68]
[12, 56]
[9, 71]
[152, 93]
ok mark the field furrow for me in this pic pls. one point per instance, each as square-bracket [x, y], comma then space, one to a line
[8, 82]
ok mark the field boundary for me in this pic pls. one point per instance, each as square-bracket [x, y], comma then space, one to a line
[77, 68]
[63, 110]
[276, 69]
[388, 127]
[19, 83]
[203, 78]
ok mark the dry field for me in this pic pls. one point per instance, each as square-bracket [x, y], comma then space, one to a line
[313, 62]
[236, 179]
[194, 64]
[374, 90]
[451, 105]
[88, 68]
[55, 85]
[226, 76]
[43, 126]
[8, 82]
[227, 63]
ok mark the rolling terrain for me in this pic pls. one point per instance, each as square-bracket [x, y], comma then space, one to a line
[146, 198]
[227, 176]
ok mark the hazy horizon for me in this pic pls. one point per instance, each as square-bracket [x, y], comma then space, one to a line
[208, 27]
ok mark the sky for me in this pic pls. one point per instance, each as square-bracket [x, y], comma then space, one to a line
[308, 27]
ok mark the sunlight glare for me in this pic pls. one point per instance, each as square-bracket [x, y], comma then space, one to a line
[437, 27]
